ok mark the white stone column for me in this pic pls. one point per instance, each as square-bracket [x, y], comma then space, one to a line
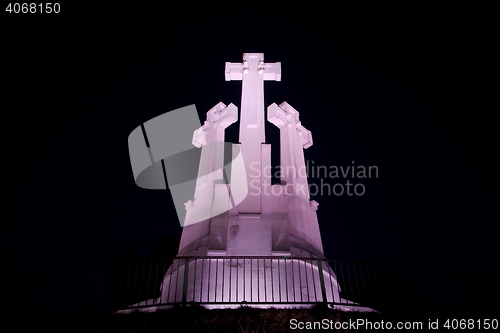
[210, 138]
[304, 230]
[252, 72]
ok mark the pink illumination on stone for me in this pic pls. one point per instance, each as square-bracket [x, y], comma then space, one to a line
[267, 247]
[266, 222]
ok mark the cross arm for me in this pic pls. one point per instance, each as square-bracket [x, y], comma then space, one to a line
[270, 71]
[285, 114]
[234, 71]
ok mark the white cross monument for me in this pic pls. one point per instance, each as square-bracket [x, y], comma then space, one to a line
[266, 248]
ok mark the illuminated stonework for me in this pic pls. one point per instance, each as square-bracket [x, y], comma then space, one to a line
[268, 247]
[271, 219]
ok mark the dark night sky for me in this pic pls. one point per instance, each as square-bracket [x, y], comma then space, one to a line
[400, 88]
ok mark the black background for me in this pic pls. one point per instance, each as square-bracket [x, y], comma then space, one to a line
[404, 88]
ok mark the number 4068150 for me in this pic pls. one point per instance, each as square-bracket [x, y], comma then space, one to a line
[33, 8]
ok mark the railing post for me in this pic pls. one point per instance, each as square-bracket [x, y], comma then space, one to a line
[185, 285]
[322, 280]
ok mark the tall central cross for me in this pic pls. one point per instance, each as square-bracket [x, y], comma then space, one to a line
[252, 72]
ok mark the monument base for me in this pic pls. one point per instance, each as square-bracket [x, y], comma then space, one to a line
[258, 282]
[343, 308]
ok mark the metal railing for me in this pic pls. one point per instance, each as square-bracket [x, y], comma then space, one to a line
[234, 281]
